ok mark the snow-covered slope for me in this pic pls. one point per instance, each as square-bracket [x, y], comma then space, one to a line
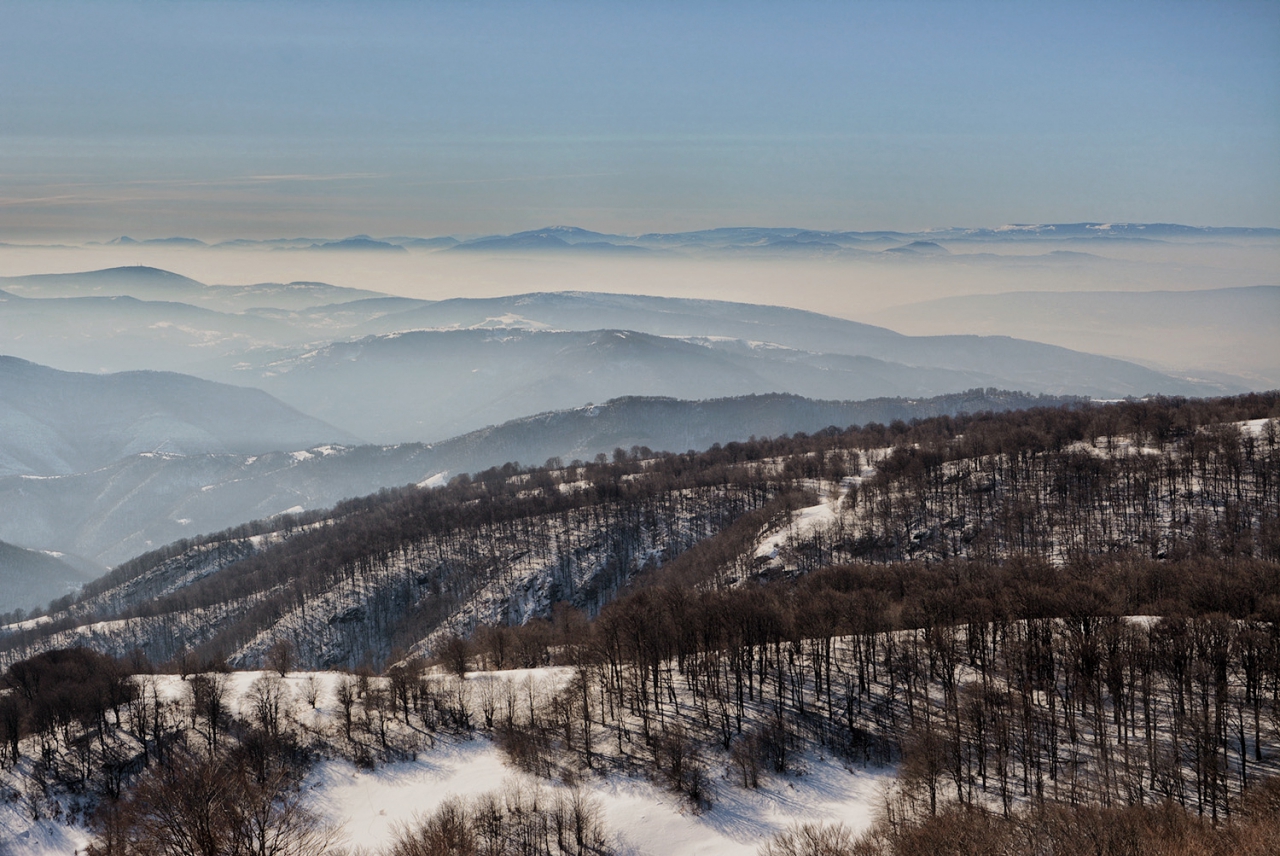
[369, 807]
[642, 818]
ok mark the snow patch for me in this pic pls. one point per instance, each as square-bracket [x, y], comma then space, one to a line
[369, 806]
[1256, 427]
[803, 523]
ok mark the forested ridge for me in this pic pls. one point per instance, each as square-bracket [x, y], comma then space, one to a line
[1059, 619]
[1165, 479]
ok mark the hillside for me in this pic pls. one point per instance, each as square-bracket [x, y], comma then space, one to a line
[54, 422]
[1020, 364]
[108, 334]
[148, 283]
[376, 386]
[30, 579]
[395, 570]
[137, 503]
[1051, 626]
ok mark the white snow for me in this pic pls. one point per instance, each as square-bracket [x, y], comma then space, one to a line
[29, 624]
[20, 836]
[511, 320]
[369, 806]
[803, 522]
[1255, 427]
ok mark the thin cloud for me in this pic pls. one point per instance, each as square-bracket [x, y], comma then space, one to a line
[342, 176]
[514, 178]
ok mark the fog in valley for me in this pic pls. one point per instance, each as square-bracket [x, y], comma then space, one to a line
[157, 389]
[873, 287]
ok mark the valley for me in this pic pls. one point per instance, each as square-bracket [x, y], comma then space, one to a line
[583, 572]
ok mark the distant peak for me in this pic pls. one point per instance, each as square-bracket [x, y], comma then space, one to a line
[136, 271]
[359, 242]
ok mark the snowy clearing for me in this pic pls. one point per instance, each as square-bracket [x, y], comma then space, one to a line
[370, 805]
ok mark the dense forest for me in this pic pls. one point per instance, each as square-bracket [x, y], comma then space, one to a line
[1053, 619]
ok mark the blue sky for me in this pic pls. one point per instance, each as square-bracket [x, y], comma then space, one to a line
[221, 119]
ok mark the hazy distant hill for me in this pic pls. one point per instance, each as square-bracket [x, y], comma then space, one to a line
[136, 281]
[403, 387]
[1228, 329]
[148, 283]
[360, 243]
[1012, 363]
[928, 248]
[134, 504]
[54, 422]
[554, 239]
[122, 333]
[1104, 231]
[125, 240]
[767, 240]
[30, 579]
[433, 369]
[820, 357]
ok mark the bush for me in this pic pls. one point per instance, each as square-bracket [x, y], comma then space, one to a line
[515, 822]
[812, 839]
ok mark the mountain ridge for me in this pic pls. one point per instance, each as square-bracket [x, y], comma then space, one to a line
[139, 502]
[57, 423]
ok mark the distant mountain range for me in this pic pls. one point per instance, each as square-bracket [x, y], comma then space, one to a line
[360, 243]
[756, 240]
[398, 387]
[148, 283]
[108, 450]
[496, 358]
[393, 370]
[557, 239]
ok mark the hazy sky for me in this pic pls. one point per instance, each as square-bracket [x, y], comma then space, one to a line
[223, 119]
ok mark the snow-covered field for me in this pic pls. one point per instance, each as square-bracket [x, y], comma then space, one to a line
[19, 836]
[368, 806]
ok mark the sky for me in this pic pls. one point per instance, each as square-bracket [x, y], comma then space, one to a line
[239, 119]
